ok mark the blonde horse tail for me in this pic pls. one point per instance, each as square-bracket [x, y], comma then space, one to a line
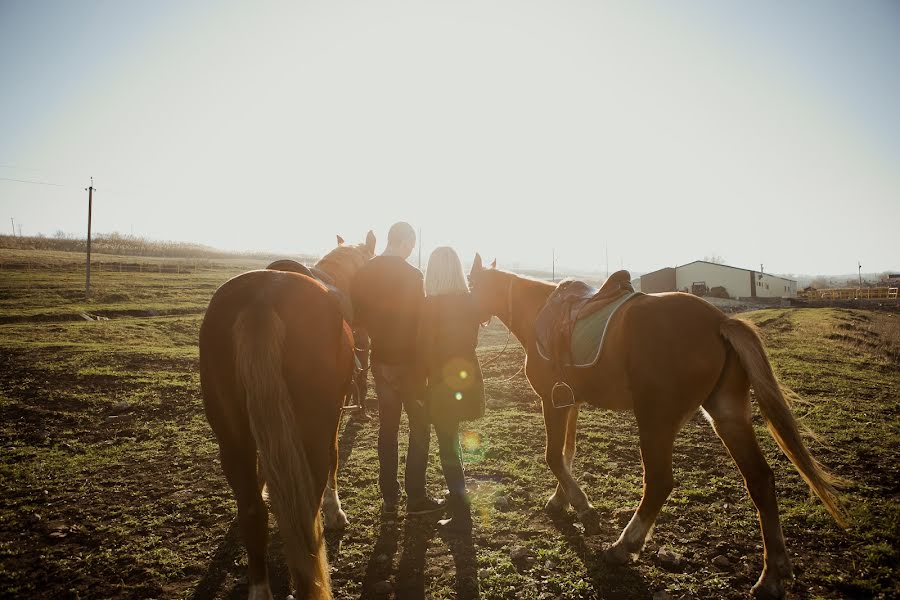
[774, 404]
[259, 340]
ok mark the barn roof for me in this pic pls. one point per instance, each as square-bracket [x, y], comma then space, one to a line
[738, 268]
[727, 267]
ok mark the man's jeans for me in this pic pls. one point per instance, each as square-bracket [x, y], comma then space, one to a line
[398, 387]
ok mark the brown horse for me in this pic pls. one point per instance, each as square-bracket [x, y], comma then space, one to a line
[664, 356]
[276, 359]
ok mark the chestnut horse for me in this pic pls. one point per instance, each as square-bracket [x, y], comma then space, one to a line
[664, 356]
[276, 359]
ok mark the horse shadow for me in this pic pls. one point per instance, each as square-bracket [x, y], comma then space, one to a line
[407, 580]
[226, 577]
[608, 580]
[348, 439]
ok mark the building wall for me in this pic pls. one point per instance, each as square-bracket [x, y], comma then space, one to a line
[739, 283]
[658, 281]
[770, 286]
[735, 281]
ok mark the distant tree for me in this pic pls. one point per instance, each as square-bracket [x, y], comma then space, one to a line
[715, 259]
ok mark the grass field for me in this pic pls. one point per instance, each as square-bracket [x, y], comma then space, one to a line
[110, 484]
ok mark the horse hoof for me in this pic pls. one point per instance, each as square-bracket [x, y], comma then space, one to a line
[617, 555]
[591, 521]
[767, 589]
[338, 522]
[556, 505]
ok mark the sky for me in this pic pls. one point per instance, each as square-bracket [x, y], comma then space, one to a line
[634, 134]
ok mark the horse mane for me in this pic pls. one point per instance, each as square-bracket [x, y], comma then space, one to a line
[531, 283]
[343, 262]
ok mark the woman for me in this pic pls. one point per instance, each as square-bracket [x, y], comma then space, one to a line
[448, 333]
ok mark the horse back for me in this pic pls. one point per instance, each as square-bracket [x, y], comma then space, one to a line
[317, 359]
[656, 347]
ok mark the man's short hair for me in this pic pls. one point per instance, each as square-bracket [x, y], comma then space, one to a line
[401, 233]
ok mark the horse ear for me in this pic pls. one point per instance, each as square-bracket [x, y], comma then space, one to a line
[476, 264]
[494, 264]
[370, 242]
[340, 241]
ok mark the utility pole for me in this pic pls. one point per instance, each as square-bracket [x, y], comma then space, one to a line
[87, 281]
[20, 230]
[13, 223]
[859, 264]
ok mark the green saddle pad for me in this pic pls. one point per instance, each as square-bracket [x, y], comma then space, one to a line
[588, 333]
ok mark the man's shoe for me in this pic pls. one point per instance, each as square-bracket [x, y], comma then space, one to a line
[425, 506]
[456, 525]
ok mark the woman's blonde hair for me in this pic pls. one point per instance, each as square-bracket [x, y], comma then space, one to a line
[444, 274]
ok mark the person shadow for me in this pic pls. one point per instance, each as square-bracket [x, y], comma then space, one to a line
[608, 580]
[407, 581]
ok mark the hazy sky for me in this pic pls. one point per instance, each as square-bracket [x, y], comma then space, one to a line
[762, 132]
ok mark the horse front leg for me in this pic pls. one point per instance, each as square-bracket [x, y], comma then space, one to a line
[556, 423]
[559, 501]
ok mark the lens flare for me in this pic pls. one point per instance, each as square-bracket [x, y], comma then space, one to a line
[471, 441]
[457, 373]
[458, 395]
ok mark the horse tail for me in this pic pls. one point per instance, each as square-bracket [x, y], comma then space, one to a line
[259, 336]
[774, 404]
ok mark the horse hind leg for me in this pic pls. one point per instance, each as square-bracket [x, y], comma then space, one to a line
[656, 455]
[239, 465]
[559, 501]
[729, 411]
[335, 517]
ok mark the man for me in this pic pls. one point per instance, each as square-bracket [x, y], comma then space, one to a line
[387, 296]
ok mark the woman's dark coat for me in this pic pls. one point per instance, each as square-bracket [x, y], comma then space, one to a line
[448, 334]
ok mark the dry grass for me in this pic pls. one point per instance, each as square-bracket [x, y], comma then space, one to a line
[875, 332]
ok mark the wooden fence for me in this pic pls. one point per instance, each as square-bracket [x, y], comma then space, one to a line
[865, 293]
[109, 266]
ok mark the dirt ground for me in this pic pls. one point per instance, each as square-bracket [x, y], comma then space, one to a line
[110, 485]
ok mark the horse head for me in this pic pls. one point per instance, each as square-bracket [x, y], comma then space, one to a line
[342, 263]
[490, 288]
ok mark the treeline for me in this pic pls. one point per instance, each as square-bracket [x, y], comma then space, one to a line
[129, 245]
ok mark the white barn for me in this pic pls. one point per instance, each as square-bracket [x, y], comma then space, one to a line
[699, 277]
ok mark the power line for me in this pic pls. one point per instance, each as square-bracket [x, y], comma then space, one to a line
[33, 182]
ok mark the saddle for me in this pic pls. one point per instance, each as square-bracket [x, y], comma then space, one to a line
[574, 301]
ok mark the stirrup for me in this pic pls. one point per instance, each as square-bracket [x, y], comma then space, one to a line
[562, 395]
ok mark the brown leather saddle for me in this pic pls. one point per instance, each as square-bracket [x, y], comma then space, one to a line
[570, 301]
